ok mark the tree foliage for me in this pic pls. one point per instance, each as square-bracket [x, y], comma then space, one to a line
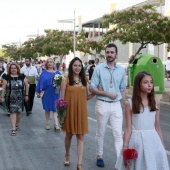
[91, 46]
[1, 52]
[11, 51]
[29, 48]
[97, 46]
[60, 43]
[55, 42]
[142, 25]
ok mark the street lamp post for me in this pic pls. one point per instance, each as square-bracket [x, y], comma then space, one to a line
[71, 21]
[34, 36]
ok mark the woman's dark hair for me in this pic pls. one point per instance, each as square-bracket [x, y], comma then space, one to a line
[81, 74]
[136, 97]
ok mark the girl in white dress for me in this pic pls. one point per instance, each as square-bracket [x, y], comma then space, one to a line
[143, 132]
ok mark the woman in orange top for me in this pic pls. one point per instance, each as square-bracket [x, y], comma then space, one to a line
[74, 90]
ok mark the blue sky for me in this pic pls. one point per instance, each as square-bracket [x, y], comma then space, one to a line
[19, 18]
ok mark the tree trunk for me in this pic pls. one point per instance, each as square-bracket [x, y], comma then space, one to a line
[61, 58]
[140, 48]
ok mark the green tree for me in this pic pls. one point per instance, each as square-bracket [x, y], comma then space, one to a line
[53, 43]
[32, 47]
[97, 46]
[11, 51]
[82, 43]
[60, 43]
[90, 46]
[142, 25]
[57, 42]
[1, 53]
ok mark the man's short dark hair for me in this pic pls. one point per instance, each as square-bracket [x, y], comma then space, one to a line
[112, 45]
[28, 58]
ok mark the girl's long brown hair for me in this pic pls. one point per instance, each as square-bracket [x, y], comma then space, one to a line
[81, 74]
[136, 97]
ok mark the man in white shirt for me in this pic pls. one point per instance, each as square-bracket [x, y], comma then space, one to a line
[31, 73]
[167, 64]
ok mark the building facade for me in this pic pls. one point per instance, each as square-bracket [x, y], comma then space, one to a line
[95, 31]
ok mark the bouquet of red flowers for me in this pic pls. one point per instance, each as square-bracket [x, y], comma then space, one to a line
[130, 154]
[61, 110]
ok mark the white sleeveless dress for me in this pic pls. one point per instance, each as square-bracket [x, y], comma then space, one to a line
[145, 139]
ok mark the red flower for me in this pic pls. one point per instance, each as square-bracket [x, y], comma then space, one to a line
[130, 154]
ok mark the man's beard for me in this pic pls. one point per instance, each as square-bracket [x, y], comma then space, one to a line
[28, 65]
[110, 60]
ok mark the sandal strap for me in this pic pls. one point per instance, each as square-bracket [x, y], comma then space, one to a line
[17, 128]
[79, 167]
[13, 132]
[67, 162]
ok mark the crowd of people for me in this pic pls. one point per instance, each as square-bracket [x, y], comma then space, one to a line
[107, 82]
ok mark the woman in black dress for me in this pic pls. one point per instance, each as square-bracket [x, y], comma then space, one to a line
[15, 90]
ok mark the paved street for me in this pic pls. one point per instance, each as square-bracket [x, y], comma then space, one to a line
[34, 148]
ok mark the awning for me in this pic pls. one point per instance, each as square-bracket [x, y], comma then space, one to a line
[156, 3]
[94, 23]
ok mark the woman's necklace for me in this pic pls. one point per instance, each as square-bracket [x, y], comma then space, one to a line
[76, 82]
[16, 81]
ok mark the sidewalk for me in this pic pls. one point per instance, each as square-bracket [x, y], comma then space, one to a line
[164, 97]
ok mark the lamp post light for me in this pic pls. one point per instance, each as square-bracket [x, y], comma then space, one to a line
[71, 21]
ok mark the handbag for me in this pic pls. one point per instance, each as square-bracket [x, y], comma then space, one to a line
[130, 154]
